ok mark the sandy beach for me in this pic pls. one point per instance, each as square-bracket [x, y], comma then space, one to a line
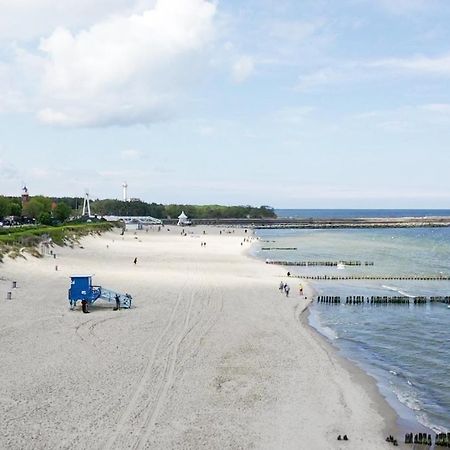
[211, 355]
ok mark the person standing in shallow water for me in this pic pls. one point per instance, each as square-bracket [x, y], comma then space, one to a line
[135, 261]
[117, 298]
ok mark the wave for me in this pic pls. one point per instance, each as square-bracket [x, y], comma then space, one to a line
[399, 291]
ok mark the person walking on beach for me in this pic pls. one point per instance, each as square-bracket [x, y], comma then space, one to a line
[287, 289]
[281, 287]
[135, 261]
[84, 306]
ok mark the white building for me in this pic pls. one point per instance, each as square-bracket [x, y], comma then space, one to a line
[183, 219]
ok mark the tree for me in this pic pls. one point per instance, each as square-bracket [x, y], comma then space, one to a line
[45, 218]
[36, 206]
[5, 207]
[62, 211]
[16, 208]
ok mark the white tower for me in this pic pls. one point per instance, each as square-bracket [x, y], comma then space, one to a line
[87, 205]
[125, 191]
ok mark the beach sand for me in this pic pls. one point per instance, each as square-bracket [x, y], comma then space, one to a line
[211, 356]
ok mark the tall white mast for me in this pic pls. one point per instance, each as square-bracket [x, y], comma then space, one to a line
[125, 191]
[87, 205]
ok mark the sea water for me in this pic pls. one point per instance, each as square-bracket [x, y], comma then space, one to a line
[406, 348]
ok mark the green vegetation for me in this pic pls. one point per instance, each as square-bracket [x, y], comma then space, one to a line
[138, 208]
[49, 211]
[15, 240]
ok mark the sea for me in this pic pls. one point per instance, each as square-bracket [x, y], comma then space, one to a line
[406, 348]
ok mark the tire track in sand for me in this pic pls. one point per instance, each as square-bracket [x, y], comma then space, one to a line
[167, 381]
[133, 403]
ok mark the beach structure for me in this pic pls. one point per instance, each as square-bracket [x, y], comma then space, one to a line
[125, 191]
[81, 288]
[133, 220]
[87, 205]
[183, 219]
[25, 195]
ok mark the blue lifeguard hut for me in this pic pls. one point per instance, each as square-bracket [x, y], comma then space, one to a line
[81, 288]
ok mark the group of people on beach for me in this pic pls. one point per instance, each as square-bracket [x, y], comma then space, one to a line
[284, 287]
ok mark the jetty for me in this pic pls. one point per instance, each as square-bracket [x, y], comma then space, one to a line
[323, 223]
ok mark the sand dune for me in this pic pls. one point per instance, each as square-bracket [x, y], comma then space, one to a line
[212, 356]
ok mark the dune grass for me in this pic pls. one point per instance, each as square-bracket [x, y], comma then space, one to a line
[14, 240]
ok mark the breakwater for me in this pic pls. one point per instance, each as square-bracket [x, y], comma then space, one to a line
[278, 248]
[381, 300]
[374, 277]
[319, 263]
[323, 223]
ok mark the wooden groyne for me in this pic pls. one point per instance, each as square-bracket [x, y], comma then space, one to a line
[374, 277]
[325, 223]
[381, 300]
[423, 439]
[319, 263]
[278, 248]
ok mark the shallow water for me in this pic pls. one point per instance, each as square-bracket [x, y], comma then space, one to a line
[407, 348]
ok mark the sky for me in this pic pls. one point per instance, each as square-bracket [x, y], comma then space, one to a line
[287, 103]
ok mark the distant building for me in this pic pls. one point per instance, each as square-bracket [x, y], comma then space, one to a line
[183, 219]
[25, 195]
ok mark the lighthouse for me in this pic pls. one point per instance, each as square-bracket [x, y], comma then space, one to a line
[25, 195]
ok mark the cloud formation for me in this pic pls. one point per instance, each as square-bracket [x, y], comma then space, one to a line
[243, 68]
[123, 70]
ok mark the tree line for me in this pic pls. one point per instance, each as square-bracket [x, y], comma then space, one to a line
[43, 210]
[47, 211]
[159, 211]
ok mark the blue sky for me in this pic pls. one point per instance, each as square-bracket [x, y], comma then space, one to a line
[291, 103]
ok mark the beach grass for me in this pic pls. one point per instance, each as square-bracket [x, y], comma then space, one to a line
[14, 239]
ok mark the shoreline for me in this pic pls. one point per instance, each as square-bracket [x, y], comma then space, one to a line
[399, 418]
[207, 338]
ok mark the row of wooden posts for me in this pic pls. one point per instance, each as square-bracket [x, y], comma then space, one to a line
[279, 248]
[377, 300]
[441, 439]
[9, 293]
[319, 263]
[374, 277]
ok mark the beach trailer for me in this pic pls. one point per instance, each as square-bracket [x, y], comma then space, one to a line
[81, 288]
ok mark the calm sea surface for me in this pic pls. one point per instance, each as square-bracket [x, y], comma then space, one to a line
[406, 348]
[359, 213]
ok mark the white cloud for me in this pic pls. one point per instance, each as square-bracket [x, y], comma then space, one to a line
[439, 65]
[404, 6]
[351, 71]
[295, 31]
[131, 154]
[23, 20]
[123, 70]
[243, 68]
[442, 108]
